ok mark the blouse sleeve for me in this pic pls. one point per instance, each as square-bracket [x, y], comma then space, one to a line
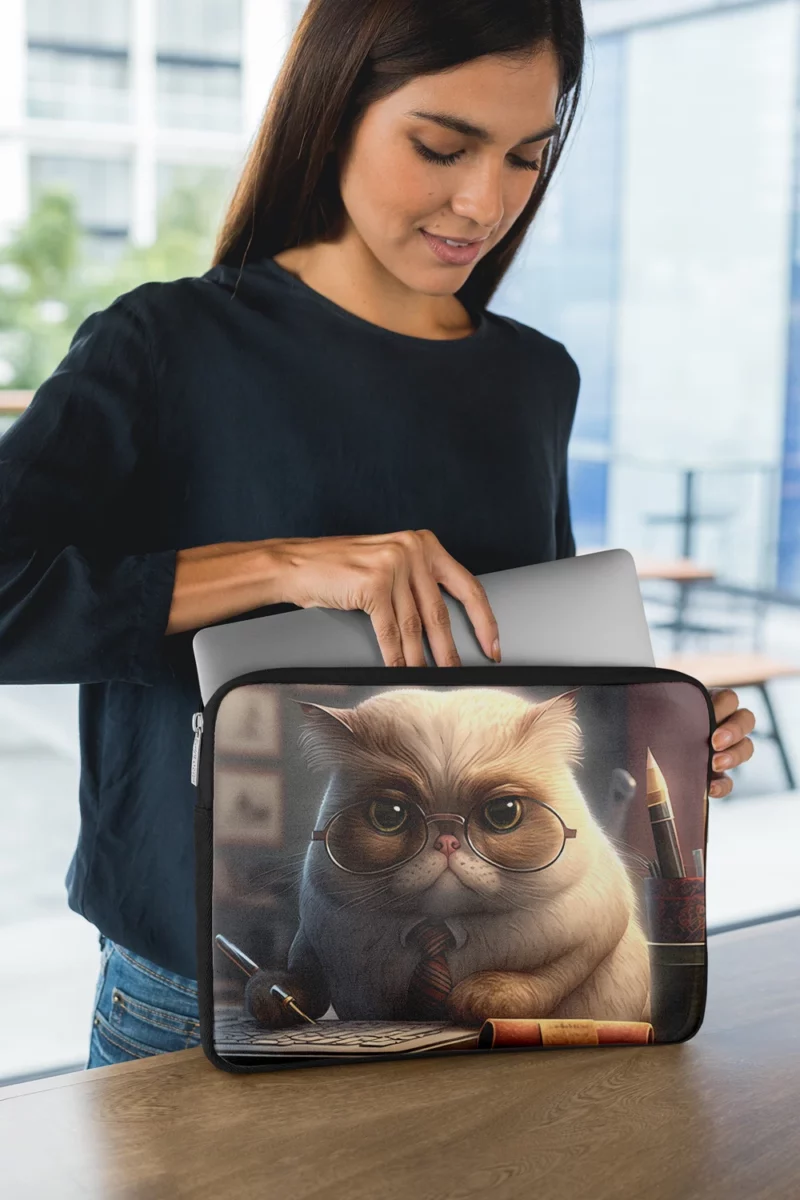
[565, 540]
[81, 598]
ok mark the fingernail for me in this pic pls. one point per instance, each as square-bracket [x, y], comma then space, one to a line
[496, 650]
[723, 737]
[721, 761]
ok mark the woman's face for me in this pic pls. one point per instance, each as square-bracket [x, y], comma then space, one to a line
[392, 190]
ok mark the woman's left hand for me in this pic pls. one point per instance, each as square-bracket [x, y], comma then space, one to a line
[731, 744]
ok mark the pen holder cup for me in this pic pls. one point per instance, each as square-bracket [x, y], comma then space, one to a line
[676, 921]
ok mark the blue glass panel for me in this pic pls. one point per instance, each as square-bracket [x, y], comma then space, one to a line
[789, 527]
[588, 495]
[564, 282]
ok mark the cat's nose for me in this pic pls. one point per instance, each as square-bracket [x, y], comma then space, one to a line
[447, 843]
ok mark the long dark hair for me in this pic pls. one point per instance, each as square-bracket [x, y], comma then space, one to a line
[346, 54]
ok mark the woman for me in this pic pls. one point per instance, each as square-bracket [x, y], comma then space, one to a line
[328, 417]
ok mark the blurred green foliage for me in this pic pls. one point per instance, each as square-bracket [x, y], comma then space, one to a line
[51, 277]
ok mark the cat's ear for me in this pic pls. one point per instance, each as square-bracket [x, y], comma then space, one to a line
[567, 698]
[555, 719]
[327, 738]
[344, 715]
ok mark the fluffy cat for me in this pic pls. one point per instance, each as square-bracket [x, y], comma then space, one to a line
[564, 941]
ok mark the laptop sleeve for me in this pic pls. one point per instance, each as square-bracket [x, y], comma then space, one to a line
[427, 860]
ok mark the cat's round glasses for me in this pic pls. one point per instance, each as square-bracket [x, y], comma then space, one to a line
[515, 833]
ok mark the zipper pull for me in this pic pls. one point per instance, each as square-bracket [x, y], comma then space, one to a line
[197, 726]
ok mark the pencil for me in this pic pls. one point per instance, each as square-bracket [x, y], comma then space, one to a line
[662, 821]
[237, 956]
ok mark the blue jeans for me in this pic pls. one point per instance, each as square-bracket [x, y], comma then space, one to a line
[140, 1009]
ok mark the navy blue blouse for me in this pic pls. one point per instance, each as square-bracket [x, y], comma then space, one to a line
[233, 407]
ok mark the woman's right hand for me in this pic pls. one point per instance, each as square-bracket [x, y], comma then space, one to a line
[394, 578]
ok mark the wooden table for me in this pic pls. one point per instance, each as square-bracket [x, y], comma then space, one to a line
[12, 403]
[734, 669]
[685, 574]
[714, 1117]
[674, 570]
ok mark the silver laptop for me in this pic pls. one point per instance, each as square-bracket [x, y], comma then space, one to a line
[585, 610]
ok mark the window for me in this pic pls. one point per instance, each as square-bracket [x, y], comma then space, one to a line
[205, 187]
[296, 10]
[78, 65]
[101, 187]
[198, 65]
[669, 272]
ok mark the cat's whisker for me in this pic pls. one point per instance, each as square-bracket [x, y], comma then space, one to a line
[287, 861]
[285, 870]
[508, 892]
[628, 853]
[348, 895]
[273, 873]
[275, 880]
[350, 883]
[366, 899]
[397, 899]
[619, 843]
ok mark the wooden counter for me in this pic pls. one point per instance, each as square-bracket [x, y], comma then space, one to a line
[714, 1117]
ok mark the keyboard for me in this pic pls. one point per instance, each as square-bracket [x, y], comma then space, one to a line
[236, 1032]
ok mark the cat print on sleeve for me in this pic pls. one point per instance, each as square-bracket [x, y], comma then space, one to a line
[456, 870]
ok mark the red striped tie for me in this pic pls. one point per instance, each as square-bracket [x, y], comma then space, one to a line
[430, 982]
